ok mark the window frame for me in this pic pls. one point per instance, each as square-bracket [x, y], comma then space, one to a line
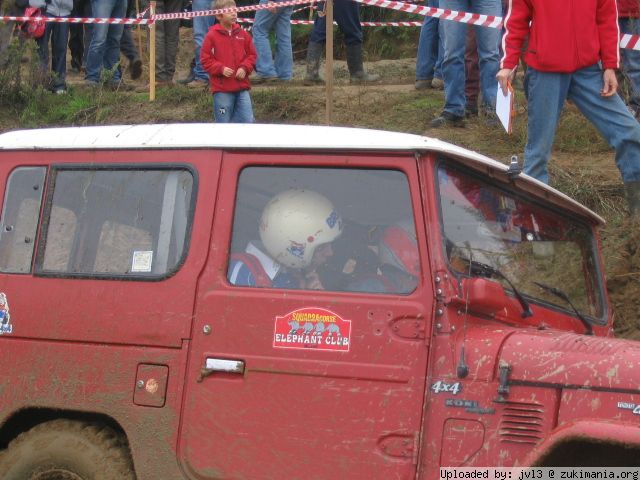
[415, 205]
[50, 181]
[448, 162]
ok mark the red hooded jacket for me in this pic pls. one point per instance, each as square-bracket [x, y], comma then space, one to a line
[233, 49]
[564, 36]
[629, 8]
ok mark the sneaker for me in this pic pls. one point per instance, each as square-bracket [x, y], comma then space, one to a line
[423, 84]
[92, 84]
[437, 83]
[447, 119]
[119, 86]
[188, 79]
[135, 69]
[59, 90]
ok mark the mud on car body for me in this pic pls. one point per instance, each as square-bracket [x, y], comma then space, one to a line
[458, 316]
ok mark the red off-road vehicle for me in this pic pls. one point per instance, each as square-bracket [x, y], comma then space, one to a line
[128, 350]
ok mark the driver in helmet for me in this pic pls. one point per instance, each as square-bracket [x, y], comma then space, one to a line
[399, 268]
[296, 230]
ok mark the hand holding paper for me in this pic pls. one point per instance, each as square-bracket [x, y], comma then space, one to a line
[504, 106]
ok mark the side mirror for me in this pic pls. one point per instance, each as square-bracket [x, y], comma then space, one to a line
[482, 296]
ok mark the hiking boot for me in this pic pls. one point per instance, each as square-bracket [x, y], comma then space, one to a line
[314, 54]
[470, 110]
[259, 79]
[423, 84]
[135, 69]
[632, 190]
[188, 79]
[437, 83]
[447, 119]
[356, 68]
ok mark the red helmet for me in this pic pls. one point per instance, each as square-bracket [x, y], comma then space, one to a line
[398, 247]
[32, 28]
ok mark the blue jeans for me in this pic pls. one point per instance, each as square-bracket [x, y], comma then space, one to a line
[488, 40]
[631, 59]
[58, 34]
[104, 51]
[232, 107]
[279, 22]
[547, 92]
[201, 26]
[430, 48]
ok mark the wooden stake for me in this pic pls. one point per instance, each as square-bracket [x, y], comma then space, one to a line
[328, 76]
[152, 56]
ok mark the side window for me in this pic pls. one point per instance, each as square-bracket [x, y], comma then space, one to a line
[111, 222]
[20, 215]
[325, 229]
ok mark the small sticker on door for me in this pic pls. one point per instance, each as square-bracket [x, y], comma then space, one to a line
[5, 317]
[312, 328]
[142, 260]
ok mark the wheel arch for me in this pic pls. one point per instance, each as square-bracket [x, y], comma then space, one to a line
[589, 444]
[25, 419]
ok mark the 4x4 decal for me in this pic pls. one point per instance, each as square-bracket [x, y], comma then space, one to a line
[5, 316]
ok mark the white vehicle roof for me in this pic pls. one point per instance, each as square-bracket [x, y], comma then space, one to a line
[269, 137]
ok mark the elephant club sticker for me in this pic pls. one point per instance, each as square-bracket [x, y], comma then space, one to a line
[5, 316]
[312, 327]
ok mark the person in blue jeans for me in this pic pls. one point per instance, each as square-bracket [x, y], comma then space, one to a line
[572, 54]
[629, 21]
[198, 76]
[104, 50]
[430, 53]
[57, 34]
[277, 20]
[453, 72]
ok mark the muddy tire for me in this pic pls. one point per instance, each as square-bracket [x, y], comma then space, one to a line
[67, 450]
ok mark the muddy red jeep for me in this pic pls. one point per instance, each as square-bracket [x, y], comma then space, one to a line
[162, 318]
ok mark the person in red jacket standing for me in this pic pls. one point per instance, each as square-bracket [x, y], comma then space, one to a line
[229, 56]
[572, 53]
[629, 21]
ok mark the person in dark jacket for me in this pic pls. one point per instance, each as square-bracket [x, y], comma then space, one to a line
[229, 56]
[572, 53]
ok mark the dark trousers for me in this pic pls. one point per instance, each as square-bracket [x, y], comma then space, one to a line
[57, 34]
[347, 15]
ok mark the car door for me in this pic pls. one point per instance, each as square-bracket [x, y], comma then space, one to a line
[296, 383]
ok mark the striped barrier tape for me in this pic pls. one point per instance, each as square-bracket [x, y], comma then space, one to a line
[364, 24]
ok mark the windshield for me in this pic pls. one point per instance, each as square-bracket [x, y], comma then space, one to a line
[524, 241]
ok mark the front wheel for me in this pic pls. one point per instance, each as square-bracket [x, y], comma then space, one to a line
[67, 450]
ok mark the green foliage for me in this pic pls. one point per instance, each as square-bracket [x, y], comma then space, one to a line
[18, 83]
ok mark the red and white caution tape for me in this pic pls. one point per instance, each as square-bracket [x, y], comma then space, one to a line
[364, 24]
[117, 21]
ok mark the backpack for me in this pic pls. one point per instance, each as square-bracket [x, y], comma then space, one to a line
[32, 29]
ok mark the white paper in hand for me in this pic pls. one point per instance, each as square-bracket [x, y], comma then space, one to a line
[504, 106]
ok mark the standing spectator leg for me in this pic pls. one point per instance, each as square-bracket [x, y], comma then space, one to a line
[284, 50]
[262, 26]
[631, 63]
[547, 94]
[472, 75]
[429, 50]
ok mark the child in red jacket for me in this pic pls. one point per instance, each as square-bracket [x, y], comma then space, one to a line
[228, 55]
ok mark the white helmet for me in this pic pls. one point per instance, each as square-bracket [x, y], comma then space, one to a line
[294, 223]
[398, 247]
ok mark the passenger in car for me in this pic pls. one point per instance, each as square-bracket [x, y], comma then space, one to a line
[399, 268]
[296, 230]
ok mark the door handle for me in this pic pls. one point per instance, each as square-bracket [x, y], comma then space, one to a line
[213, 365]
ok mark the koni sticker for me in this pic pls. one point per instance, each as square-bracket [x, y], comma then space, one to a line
[5, 316]
[634, 407]
[312, 327]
